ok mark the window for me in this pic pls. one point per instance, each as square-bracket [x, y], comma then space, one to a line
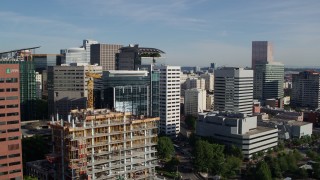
[12, 147]
[2, 106]
[2, 123]
[15, 171]
[3, 131]
[2, 98]
[13, 138]
[1, 80]
[13, 114]
[3, 165]
[2, 115]
[11, 80]
[13, 130]
[3, 157]
[14, 163]
[12, 97]
[12, 89]
[3, 173]
[13, 122]
[1, 90]
[2, 139]
[14, 155]
[12, 106]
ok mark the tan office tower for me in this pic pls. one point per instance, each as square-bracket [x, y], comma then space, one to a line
[10, 133]
[261, 52]
[104, 55]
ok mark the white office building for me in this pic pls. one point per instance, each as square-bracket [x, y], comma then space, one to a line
[194, 101]
[237, 129]
[209, 81]
[169, 99]
[77, 54]
[233, 90]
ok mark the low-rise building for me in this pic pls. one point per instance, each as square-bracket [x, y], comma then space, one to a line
[237, 129]
[288, 128]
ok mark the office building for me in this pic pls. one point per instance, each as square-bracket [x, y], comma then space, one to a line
[268, 80]
[209, 81]
[38, 85]
[237, 129]
[77, 54]
[169, 99]
[67, 87]
[105, 55]
[101, 144]
[10, 133]
[130, 57]
[28, 93]
[262, 52]
[42, 61]
[306, 90]
[210, 102]
[198, 83]
[233, 90]
[194, 101]
[136, 92]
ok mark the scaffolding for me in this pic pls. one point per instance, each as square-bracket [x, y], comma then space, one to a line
[100, 144]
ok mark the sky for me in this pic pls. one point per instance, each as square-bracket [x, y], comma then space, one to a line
[191, 32]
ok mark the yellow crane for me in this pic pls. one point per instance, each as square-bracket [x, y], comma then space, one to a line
[90, 84]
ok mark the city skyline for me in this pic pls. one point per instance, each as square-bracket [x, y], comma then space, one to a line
[190, 32]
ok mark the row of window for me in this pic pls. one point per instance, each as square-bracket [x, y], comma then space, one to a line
[9, 106]
[3, 131]
[9, 80]
[10, 172]
[9, 114]
[8, 98]
[9, 90]
[9, 122]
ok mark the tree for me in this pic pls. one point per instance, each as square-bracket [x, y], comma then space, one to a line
[292, 162]
[236, 151]
[316, 170]
[283, 163]
[231, 166]
[29, 178]
[311, 154]
[302, 173]
[297, 155]
[208, 157]
[34, 148]
[165, 147]
[191, 122]
[263, 171]
[173, 163]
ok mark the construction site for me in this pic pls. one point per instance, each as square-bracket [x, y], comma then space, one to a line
[100, 144]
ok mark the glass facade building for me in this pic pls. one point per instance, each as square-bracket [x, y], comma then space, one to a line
[268, 81]
[129, 91]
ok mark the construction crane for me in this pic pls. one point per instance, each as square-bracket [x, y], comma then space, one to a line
[90, 84]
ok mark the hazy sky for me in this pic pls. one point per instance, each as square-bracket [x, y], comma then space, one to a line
[191, 32]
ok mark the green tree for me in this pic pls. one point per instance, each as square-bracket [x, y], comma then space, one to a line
[297, 155]
[263, 172]
[236, 151]
[311, 154]
[231, 166]
[34, 148]
[302, 173]
[292, 163]
[29, 178]
[191, 122]
[209, 157]
[165, 147]
[283, 163]
[173, 163]
[316, 170]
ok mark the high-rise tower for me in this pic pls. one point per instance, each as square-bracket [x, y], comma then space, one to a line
[261, 52]
[233, 90]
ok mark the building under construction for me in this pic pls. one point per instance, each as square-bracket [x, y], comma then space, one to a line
[100, 144]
